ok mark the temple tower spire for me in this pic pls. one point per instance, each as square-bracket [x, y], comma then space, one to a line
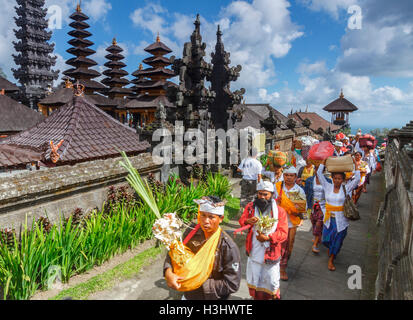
[220, 78]
[80, 49]
[115, 74]
[34, 59]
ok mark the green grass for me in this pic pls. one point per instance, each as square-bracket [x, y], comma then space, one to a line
[232, 209]
[108, 279]
[74, 249]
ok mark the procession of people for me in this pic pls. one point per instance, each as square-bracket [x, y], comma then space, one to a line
[322, 182]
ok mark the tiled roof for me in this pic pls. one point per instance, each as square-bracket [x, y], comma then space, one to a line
[12, 156]
[15, 117]
[316, 121]
[65, 95]
[254, 113]
[88, 133]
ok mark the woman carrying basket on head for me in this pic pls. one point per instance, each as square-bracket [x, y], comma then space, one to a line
[316, 204]
[335, 223]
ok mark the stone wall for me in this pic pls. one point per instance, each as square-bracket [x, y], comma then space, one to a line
[285, 137]
[63, 189]
[395, 221]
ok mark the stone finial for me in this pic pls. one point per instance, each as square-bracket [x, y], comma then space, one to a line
[79, 89]
[158, 38]
[341, 94]
[68, 84]
[140, 67]
[78, 7]
[54, 156]
[114, 42]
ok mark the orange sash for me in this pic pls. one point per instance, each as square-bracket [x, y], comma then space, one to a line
[329, 209]
[195, 269]
[287, 204]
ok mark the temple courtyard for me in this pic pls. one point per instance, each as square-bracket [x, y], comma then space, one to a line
[309, 278]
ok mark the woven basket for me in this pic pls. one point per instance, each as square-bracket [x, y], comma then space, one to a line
[316, 163]
[340, 164]
[300, 205]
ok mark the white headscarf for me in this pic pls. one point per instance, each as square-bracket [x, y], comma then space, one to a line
[265, 186]
[206, 205]
[291, 170]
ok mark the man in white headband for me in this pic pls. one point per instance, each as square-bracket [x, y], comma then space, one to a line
[291, 197]
[225, 277]
[337, 149]
[356, 142]
[264, 248]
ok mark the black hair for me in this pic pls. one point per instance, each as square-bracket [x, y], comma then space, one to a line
[340, 173]
[358, 153]
[215, 199]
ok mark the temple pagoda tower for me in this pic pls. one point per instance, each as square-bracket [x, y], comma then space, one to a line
[340, 110]
[115, 74]
[157, 74]
[151, 84]
[115, 78]
[220, 78]
[34, 59]
[80, 49]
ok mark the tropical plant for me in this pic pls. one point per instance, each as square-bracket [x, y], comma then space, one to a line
[78, 243]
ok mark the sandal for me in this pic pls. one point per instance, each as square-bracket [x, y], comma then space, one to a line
[315, 249]
[331, 267]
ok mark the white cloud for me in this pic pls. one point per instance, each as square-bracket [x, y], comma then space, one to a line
[332, 7]
[387, 105]
[149, 18]
[97, 9]
[61, 66]
[383, 45]
[6, 37]
[254, 33]
[316, 67]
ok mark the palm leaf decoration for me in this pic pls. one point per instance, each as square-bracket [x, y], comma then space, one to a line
[140, 186]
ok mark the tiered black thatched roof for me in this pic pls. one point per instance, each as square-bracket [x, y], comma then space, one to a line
[80, 49]
[115, 74]
[16, 117]
[340, 104]
[9, 87]
[34, 61]
[154, 81]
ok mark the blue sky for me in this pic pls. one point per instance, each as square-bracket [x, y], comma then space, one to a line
[293, 53]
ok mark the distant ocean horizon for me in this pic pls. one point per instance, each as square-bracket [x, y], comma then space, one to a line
[367, 129]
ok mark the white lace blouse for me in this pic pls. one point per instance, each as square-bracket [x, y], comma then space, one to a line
[337, 199]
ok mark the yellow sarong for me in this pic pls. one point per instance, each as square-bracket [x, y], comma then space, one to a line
[329, 209]
[199, 266]
[288, 205]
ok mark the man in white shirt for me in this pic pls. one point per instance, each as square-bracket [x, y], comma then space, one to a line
[251, 170]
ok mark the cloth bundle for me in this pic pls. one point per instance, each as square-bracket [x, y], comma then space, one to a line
[368, 141]
[277, 158]
[320, 151]
[307, 143]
